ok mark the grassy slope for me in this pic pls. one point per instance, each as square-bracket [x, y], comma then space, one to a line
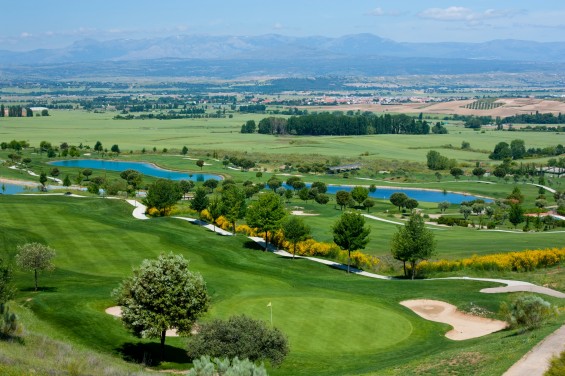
[336, 323]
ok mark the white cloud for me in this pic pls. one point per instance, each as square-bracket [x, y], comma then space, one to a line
[465, 14]
[376, 12]
[278, 26]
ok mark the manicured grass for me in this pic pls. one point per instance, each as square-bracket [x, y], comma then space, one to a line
[336, 323]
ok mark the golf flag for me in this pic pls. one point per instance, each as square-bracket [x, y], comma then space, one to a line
[269, 305]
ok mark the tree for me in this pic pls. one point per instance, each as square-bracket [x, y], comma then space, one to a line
[411, 204]
[87, 172]
[359, 194]
[443, 206]
[115, 149]
[304, 194]
[518, 149]
[54, 172]
[98, 147]
[516, 214]
[499, 172]
[215, 209]
[186, 186]
[294, 231]
[266, 214]
[43, 178]
[501, 151]
[479, 172]
[322, 198]
[342, 198]
[274, 183]
[466, 210]
[200, 163]
[67, 181]
[412, 243]
[162, 294]
[456, 172]
[368, 203]
[239, 336]
[211, 184]
[436, 161]
[184, 150]
[321, 187]
[163, 195]
[132, 178]
[233, 204]
[200, 200]
[350, 233]
[7, 290]
[35, 257]
[398, 199]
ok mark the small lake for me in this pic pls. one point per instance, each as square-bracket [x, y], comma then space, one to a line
[384, 193]
[142, 167]
[12, 189]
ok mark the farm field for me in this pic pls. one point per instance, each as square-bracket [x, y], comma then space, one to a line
[336, 323]
[223, 135]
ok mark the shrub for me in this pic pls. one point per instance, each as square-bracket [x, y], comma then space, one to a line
[528, 312]
[452, 221]
[239, 336]
[9, 322]
[557, 367]
[219, 367]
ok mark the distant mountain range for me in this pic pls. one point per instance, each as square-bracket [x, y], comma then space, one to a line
[272, 54]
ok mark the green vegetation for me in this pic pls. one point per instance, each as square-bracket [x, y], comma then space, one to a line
[312, 305]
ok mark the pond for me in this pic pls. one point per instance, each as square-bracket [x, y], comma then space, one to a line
[12, 189]
[425, 195]
[142, 167]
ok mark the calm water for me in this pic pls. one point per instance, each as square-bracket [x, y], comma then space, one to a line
[417, 194]
[12, 189]
[145, 168]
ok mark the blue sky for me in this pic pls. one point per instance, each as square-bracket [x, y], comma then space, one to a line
[55, 23]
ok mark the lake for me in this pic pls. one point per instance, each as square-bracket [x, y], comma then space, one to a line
[142, 167]
[12, 189]
[415, 193]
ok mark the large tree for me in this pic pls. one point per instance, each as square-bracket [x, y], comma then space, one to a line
[413, 242]
[233, 204]
[35, 257]
[266, 214]
[516, 214]
[163, 195]
[342, 198]
[350, 233]
[133, 179]
[162, 294]
[295, 230]
[200, 200]
[359, 194]
[398, 199]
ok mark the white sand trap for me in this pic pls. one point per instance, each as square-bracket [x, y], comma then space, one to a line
[300, 212]
[117, 312]
[465, 326]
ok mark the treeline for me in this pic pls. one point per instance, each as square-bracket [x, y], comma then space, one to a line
[170, 116]
[339, 124]
[517, 150]
[536, 118]
[15, 111]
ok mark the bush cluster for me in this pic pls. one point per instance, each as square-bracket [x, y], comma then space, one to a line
[452, 221]
[511, 261]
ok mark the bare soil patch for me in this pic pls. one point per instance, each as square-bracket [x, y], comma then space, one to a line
[465, 326]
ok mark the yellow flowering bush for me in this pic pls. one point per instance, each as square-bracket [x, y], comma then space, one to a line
[510, 261]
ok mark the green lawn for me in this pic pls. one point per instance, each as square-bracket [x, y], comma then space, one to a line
[336, 323]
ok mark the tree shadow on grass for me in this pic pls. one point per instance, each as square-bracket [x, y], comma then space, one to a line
[250, 244]
[150, 353]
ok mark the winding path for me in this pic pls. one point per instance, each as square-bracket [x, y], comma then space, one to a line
[534, 363]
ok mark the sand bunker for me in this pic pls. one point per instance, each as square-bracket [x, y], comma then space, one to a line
[465, 326]
[117, 312]
[300, 212]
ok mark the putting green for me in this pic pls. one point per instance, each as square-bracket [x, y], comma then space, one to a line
[312, 324]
